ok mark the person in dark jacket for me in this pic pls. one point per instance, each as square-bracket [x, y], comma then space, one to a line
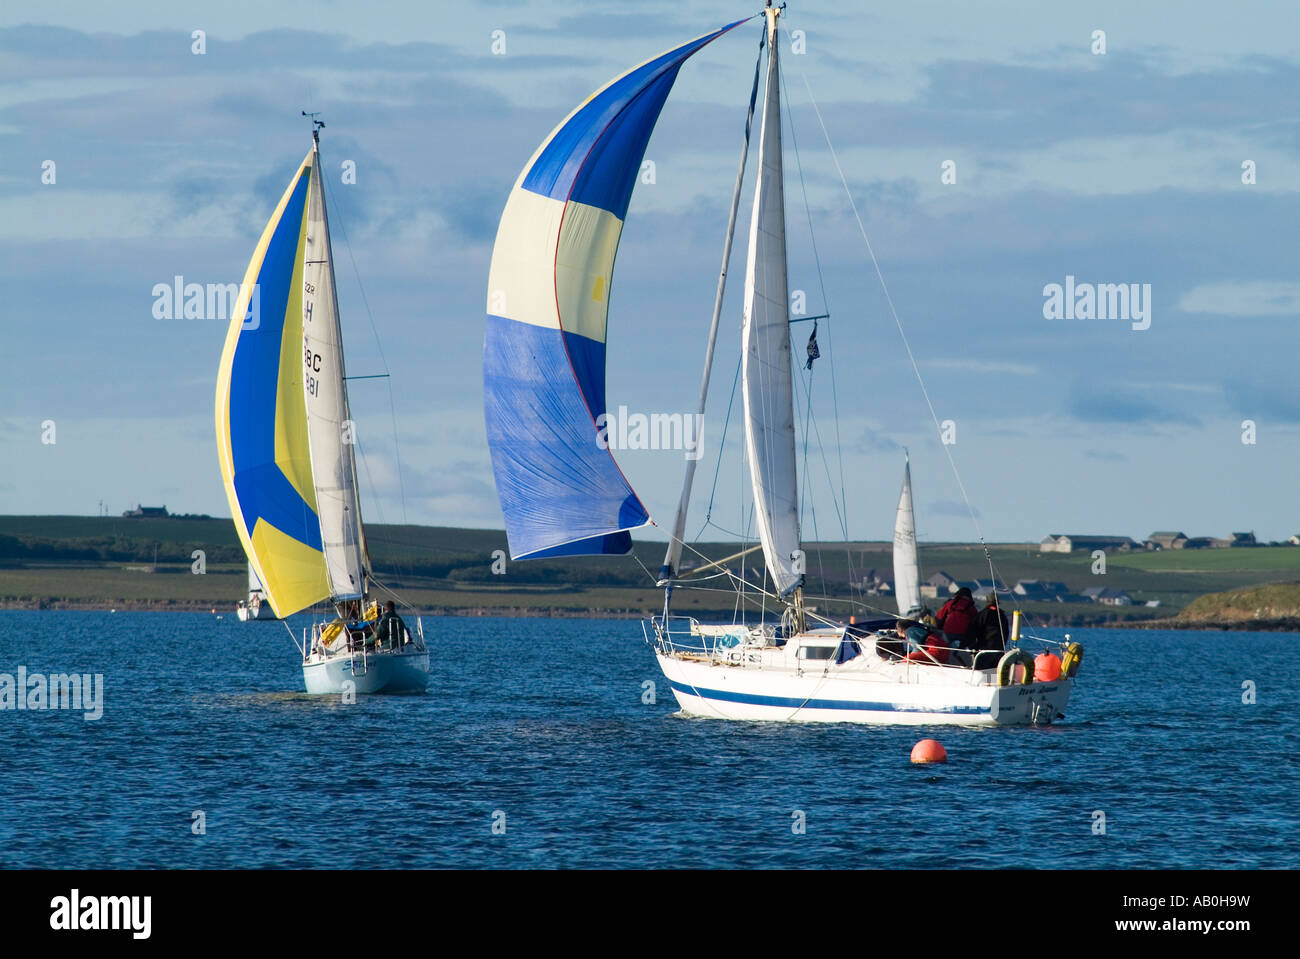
[957, 617]
[989, 635]
[390, 630]
[894, 646]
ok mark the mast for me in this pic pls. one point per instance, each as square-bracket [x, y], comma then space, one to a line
[672, 557]
[330, 431]
[766, 357]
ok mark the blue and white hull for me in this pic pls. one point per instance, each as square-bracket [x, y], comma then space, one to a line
[371, 672]
[756, 681]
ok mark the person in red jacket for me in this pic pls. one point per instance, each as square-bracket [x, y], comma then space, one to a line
[957, 617]
[926, 646]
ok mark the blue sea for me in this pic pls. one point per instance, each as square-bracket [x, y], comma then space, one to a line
[538, 726]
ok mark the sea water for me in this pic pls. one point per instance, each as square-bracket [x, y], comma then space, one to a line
[557, 743]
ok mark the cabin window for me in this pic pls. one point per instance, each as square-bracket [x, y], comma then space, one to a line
[816, 652]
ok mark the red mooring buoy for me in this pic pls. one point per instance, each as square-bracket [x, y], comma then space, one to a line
[1047, 668]
[929, 751]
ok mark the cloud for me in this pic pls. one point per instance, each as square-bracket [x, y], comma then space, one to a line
[1092, 403]
[949, 507]
[991, 367]
[1105, 456]
[871, 440]
[1018, 106]
[1263, 401]
[1243, 298]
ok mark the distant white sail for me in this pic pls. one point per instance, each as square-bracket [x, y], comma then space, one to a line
[768, 387]
[907, 568]
[329, 426]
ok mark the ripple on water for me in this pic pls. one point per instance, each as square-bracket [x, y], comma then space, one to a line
[551, 739]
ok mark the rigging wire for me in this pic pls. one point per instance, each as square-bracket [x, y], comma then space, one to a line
[805, 498]
[377, 501]
[722, 443]
[392, 408]
[741, 580]
[903, 335]
[830, 342]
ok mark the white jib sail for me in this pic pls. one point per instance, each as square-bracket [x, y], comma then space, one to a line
[330, 431]
[768, 386]
[907, 569]
[254, 584]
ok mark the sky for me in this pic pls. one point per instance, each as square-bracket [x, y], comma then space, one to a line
[1117, 167]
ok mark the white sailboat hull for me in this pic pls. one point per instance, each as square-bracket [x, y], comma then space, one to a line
[247, 614]
[751, 683]
[384, 672]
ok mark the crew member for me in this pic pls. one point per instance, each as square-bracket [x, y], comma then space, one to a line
[957, 617]
[988, 636]
[390, 629]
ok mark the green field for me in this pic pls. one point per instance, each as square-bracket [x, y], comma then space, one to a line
[147, 563]
[1282, 560]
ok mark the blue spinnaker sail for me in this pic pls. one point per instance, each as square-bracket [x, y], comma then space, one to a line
[560, 489]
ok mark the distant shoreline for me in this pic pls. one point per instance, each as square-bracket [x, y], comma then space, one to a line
[181, 606]
[1281, 625]
[1285, 625]
[163, 563]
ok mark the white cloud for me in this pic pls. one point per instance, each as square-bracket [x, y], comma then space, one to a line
[1249, 298]
[983, 366]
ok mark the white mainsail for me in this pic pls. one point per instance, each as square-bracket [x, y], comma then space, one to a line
[329, 425]
[907, 568]
[768, 386]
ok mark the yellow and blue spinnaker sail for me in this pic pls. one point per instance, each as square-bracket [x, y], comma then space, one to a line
[262, 419]
[560, 489]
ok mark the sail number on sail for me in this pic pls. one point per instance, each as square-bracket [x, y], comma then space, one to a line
[310, 359]
[311, 365]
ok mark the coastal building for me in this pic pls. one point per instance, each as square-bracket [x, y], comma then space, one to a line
[141, 512]
[938, 584]
[1179, 541]
[1166, 540]
[982, 589]
[1069, 543]
[878, 582]
[1110, 597]
[1042, 591]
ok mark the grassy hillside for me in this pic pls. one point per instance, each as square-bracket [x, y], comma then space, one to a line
[1269, 603]
[108, 561]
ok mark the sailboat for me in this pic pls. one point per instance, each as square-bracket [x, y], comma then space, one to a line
[563, 494]
[285, 442]
[256, 606]
[907, 566]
